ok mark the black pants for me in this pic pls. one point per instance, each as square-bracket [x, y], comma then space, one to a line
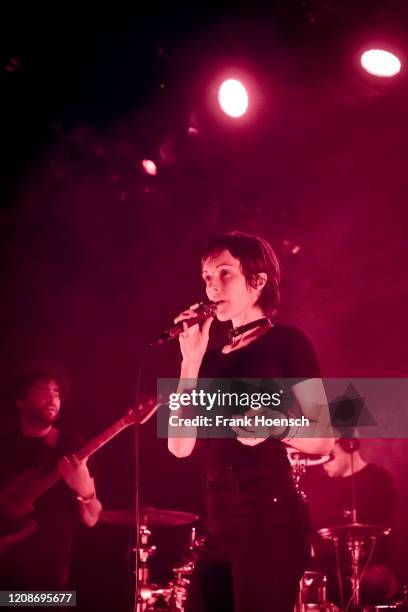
[257, 548]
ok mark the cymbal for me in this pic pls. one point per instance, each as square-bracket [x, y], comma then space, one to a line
[306, 459]
[356, 530]
[153, 517]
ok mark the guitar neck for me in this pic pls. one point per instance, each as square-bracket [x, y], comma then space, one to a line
[91, 447]
[53, 476]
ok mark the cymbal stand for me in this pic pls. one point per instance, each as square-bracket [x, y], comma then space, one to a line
[298, 469]
[353, 492]
[355, 545]
[138, 602]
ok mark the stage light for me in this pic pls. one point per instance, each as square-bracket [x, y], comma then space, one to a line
[380, 63]
[233, 98]
[149, 167]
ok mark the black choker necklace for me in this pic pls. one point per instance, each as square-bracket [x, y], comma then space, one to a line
[238, 331]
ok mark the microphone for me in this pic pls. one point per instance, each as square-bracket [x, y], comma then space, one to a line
[203, 310]
[349, 445]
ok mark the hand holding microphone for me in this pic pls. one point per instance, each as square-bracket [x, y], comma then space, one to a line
[193, 338]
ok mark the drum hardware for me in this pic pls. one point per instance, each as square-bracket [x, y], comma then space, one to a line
[402, 603]
[356, 547]
[360, 540]
[179, 585]
[313, 585]
[356, 536]
[145, 552]
[313, 594]
[301, 461]
[148, 593]
[153, 597]
[380, 608]
[177, 589]
[174, 594]
[311, 607]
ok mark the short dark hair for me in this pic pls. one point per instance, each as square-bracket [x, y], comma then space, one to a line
[255, 256]
[30, 373]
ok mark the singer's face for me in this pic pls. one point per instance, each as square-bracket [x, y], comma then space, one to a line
[225, 282]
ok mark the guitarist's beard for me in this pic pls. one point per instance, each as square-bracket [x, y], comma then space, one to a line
[41, 416]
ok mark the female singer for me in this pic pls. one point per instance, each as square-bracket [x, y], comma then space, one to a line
[256, 518]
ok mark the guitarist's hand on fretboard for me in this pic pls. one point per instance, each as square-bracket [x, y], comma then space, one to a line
[76, 474]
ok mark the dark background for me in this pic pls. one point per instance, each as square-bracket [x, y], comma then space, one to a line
[98, 257]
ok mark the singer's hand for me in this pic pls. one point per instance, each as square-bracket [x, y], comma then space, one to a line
[193, 340]
[255, 434]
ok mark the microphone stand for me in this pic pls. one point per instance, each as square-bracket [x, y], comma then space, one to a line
[140, 564]
[137, 598]
[137, 601]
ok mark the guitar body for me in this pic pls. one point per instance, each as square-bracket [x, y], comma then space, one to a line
[16, 504]
[12, 532]
[16, 500]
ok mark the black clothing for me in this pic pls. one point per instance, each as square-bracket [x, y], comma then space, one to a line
[257, 521]
[42, 560]
[283, 352]
[256, 550]
[375, 498]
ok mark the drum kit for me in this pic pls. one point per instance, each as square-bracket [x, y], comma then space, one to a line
[359, 539]
[153, 597]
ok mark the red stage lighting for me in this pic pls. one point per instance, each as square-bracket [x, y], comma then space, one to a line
[149, 167]
[380, 63]
[233, 98]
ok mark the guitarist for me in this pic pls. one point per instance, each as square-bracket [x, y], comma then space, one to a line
[41, 560]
